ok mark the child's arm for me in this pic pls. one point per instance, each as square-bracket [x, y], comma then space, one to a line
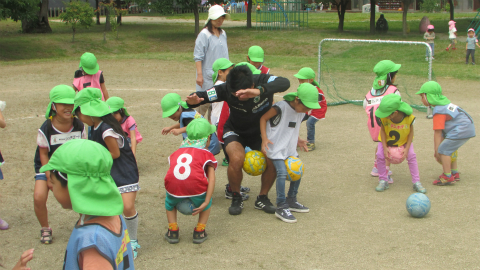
[302, 144]
[166, 130]
[90, 259]
[3, 124]
[409, 141]
[477, 44]
[263, 128]
[133, 139]
[383, 137]
[24, 259]
[437, 140]
[178, 131]
[44, 160]
[210, 188]
[112, 146]
[104, 91]
[199, 80]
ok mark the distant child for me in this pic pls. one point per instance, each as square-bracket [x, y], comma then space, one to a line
[452, 35]
[307, 75]
[256, 57]
[453, 128]
[281, 132]
[60, 127]
[129, 126]
[3, 124]
[89, 75]
[106, 130]
[470, 47]
[396, 130]
[195, 183]
[430, 37]
[80, 178]
[174, 108]
[383, 85]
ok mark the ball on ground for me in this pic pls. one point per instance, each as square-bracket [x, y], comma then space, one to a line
[294, 168]
[185, 207]
[255, 163]
[418, 205]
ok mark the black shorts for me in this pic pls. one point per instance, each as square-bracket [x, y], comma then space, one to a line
[250, 139]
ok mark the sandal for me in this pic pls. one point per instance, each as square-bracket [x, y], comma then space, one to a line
[46, 235]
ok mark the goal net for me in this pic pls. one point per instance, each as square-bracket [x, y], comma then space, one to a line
[345, 68]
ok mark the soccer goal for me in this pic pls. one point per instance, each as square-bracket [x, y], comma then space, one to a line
[345, 68]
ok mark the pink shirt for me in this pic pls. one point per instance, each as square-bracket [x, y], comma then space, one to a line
[130, 124]
[86, 80]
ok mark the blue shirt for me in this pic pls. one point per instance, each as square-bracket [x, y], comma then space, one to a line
[460, 127]
[471, 42]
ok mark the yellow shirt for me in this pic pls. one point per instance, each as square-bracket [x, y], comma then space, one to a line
[397, 133]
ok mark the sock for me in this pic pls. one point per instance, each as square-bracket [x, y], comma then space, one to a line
[132, 226]
[454, 171]
[173, 226]
[200, 227]
[448, 174]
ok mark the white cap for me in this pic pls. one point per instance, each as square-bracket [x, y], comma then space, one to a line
[215, 12]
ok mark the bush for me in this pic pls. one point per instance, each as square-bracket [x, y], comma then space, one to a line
[430, 6]
[78, 13]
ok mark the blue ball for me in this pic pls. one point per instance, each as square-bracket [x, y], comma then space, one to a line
[418, 205]
[185, 207]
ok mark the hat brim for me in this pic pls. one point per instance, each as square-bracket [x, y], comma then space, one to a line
[215, 17]
[45, 168]
[311, 105]
[300, 76]
[405, 108]
[381, 114]
[170, 111]
[255, 59]
[98, 110]
[64, 101]
[91, 71]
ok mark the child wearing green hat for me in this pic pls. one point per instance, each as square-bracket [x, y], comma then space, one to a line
[174, 108]
[396, 131]
[89, 75]
[60, 126]
[307, 75]
[106, 130]
[281, 132]
[256, 57]
[191, 175]
[386, 74]
[453, 127]
[81, 181]
[128, 124]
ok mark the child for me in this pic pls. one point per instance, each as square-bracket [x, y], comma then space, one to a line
[383, 85]
[430, 37]
[256, 58]
[3, 223]
[174, 108]
[129, 126]
[81, 180]
[196, 181]
[90, 75]
[396, 130]
[453, 127]
[107, 131]
[307, 75]
[470, 47]
[60, 127]
[281, 132]
[452, 35]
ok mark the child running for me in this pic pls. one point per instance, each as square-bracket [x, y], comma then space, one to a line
[281, 132]
[470, 47]
[453, 128]
[107, 131]
[430, 37]
[307, 75]
[80, 178]
[129, 126]
[452, 35]
[90, 75]
[396, 130]
[256, 57]
[191, 176]
[3, 124]
[60, 127]
[383, 85]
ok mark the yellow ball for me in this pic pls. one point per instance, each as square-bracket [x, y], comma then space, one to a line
[294, 168]
[255, 163]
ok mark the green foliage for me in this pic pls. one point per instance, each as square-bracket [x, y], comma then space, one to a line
[430, 6]
[77, 14]
[19, 9]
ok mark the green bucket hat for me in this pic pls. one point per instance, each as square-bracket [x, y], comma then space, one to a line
[307, 73]
[433, 90]
[391, 103]
[88, 62]
[220, 64]
[308, 95]
[90, 186]
[90, 102]
[115, 104]
[170, 104]
[200, 128]
[250, 66]
[256, 54]
[382, 69]
[63, 94]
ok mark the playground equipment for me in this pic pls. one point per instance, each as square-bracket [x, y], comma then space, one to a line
[475, 23]
[276, 15]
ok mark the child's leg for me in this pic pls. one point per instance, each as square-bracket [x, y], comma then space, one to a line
[40, 195]
[311, 129]
[281, 170]
[382, 169]
[473, 56]
[293, 190]
[413, 165]
[293, 204]
[203, 217]
[172, 235]
[131, 219]
[468, 54]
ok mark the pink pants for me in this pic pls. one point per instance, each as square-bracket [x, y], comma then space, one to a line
[411, 159]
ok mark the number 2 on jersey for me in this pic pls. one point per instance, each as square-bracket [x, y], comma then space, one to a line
[185, 165]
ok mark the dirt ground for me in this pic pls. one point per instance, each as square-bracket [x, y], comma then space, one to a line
[349, 226]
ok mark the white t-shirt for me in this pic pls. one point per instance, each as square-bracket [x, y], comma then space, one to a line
[451, 33]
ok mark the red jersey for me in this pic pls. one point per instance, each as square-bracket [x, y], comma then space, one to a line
[186, 176]
[264, 69]
[224, 114]
[320, 113]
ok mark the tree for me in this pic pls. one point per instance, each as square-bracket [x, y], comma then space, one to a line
[372, 16]
[39, 22]
[78, 14]
[97, 12]
[406, 5]
[249, 14]
[19, 9]
[341, 6]
[450, 2]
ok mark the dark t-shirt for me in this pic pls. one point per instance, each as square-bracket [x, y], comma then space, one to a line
[187, 120]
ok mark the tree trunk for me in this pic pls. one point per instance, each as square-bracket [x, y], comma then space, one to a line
[404, 18]
[341, 18]
[249, 14]
[39, 24]
[197, 20]
[118, 5]
[108, 27]
[372, 17]
[451, 10]
[98, 12]
[73, 36]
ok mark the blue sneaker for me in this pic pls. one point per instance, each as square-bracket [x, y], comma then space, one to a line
[382, 186]
[135, 246]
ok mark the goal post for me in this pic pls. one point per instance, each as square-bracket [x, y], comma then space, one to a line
[345, 68]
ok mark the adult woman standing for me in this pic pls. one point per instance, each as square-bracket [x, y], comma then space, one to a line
[210, 45]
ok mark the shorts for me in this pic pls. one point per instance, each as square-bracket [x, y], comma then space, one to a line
[453, 41]
[448, 146]
[252, 140]
[41, 176]
[172, 201]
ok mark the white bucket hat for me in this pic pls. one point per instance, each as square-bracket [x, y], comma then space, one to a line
[215, 12]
